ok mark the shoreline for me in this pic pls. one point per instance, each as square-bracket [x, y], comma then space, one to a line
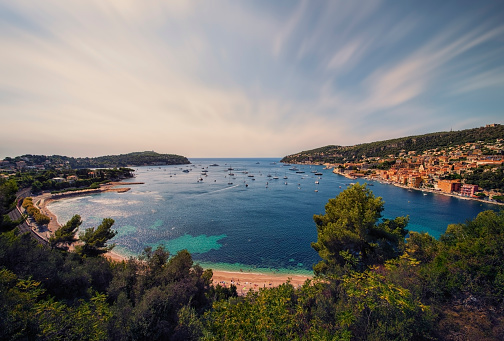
[244, 281]
[433, 191]
[428, 190]
[41, 201]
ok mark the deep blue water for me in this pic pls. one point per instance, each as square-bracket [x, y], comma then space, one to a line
[267, 225]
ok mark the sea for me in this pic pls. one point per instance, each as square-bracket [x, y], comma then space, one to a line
[253, 215]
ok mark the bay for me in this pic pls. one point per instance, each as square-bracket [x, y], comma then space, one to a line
[252, 220]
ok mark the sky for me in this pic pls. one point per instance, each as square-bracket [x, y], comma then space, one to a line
[243, 78]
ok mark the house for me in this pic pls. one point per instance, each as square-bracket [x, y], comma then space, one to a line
[449, 186]
[468, 190]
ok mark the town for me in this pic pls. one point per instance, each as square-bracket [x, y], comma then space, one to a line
[440, 170]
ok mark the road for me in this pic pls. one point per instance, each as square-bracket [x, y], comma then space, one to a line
[24, 226]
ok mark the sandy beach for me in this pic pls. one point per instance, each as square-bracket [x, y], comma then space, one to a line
[41, 201]
[244, 281]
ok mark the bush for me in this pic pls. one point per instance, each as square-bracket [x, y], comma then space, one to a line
[35, 212]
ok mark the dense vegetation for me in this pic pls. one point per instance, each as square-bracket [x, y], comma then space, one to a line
[147, 158]
[372, 284]
[34, 212]
[86, 178]
[420, 143]
[487, 177]
[8, 190]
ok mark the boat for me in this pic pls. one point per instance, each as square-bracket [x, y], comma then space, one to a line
[316, 182]
[214, 165]
[299, 171]
[185, 170]
[318, 173]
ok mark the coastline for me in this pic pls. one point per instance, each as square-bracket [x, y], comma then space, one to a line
[429, 190]
[244, 281]
[41, 201]
[433, 191]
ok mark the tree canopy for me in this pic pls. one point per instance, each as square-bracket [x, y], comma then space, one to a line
[65, 235]
[95, 239]
[350, 233]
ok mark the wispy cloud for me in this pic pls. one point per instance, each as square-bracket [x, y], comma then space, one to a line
[239, 79]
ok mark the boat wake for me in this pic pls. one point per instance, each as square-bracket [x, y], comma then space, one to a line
[217, 190]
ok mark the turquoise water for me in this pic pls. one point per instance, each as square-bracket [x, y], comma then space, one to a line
[231, 222]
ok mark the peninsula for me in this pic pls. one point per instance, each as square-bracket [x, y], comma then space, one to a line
[467, 163]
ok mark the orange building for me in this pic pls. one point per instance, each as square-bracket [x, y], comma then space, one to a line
[449, 186]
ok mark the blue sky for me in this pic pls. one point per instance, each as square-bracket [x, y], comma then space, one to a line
[243, 78]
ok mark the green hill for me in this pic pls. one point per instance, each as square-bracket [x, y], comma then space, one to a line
[147, 158]
[420, 143]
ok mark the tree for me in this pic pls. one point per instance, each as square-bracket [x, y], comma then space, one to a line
[349, 232]
[65, 235]
[8, 189]
[95, 240]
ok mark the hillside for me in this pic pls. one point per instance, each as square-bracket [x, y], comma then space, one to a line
[420, 143]
[147, 158]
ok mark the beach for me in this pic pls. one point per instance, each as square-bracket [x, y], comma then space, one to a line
[244, 281]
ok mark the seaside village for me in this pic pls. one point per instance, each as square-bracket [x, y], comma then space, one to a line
[430, 170]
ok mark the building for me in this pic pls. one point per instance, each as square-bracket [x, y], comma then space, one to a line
[468, 190]
[449, 186]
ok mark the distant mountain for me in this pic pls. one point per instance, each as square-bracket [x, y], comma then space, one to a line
[148, 158]
[420, 143]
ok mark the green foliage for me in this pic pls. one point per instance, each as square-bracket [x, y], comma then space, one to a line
[487, 177]
[498, 198]
[65, 235]
[95, 240]
[373, 308]
[471, 258]
[87, 320]
[109, 161]
[159, 297]
[17, 299]
[377, 286]
[8, 189]
[418, 143]
[269, 314]
[349, 233]
[34, 212]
